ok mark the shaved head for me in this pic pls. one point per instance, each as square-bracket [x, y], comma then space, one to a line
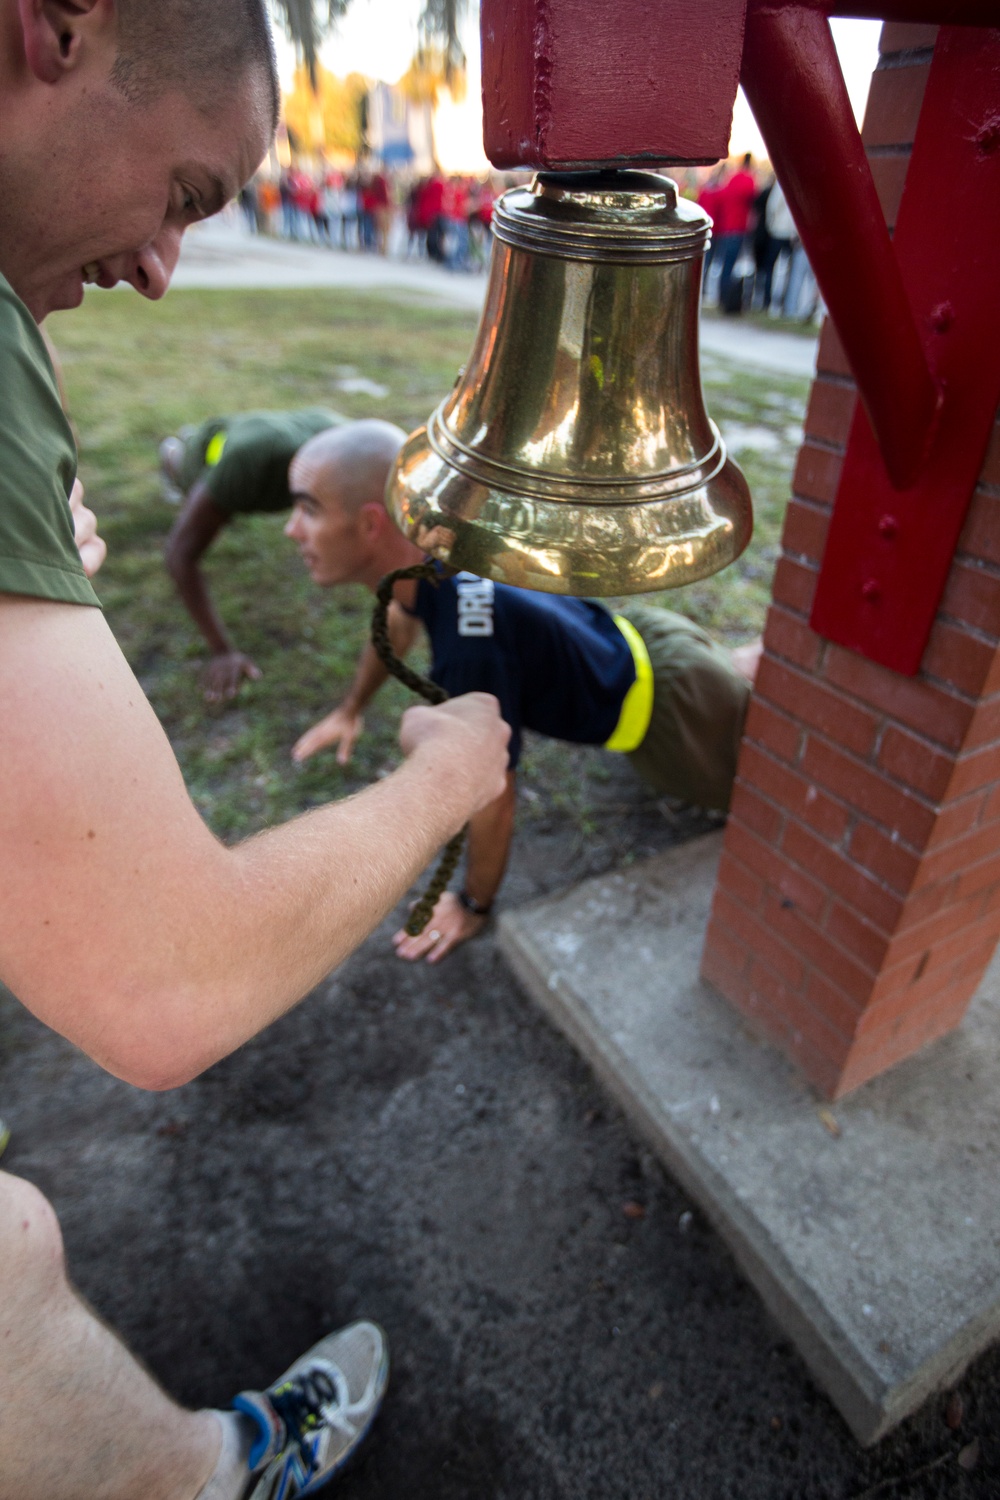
[205, 49]
[339, 518]
[350, 464]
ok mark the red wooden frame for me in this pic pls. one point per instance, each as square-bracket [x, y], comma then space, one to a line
[570, 84]
[889, 550]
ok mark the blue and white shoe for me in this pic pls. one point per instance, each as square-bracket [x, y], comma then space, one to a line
[310, 1422]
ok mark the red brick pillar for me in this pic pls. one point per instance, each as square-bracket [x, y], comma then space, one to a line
[858, 898]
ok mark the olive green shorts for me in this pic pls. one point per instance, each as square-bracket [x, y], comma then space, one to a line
[699, 706]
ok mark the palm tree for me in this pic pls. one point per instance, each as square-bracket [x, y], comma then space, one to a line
[307, 22]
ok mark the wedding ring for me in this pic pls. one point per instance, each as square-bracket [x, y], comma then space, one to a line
[435, 937]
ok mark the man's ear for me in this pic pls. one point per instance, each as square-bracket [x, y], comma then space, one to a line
[374, 518]
[53, 34]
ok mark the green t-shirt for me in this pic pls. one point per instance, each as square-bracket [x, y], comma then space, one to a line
[37, 467]
[243, 460]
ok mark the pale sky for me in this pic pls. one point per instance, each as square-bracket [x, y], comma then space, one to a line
[379, 37]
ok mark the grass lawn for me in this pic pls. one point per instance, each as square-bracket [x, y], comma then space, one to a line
[135, 372]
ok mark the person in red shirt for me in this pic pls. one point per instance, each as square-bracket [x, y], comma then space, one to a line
[432, 216]
[735, 200]
[380, 208]
[708, 201]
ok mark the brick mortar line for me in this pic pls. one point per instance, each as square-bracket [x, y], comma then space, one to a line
[775, 1028]
[811, 966]
[832, 377]
[884, 722]
[934, 916]
[831, 1026]
[981, 564]
[980, 914]
[820, 932]
[947, 688]
[811, 500]
[860, 869]
[906, 57]
[858, 817]
[826, 445]
[915, 957]
[942, 683]
[976, 631]
[801, 559]
[890, 151]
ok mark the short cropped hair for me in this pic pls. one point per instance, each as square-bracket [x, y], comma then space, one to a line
[203, 48]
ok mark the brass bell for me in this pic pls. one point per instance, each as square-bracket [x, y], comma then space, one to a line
[574, 454]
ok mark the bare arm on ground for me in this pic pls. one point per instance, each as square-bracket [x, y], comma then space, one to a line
[124, 924]
[195, 529]
[344, 724]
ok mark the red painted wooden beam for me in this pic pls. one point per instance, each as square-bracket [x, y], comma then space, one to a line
[575, 84]
[791, 76]
[889, 552]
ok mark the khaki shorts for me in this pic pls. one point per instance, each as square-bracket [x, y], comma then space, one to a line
[699, 706]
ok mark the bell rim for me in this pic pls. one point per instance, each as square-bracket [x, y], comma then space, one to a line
[476, 544]
[494, 474]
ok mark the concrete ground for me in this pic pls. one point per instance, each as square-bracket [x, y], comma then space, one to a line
[419, 1146]
[871, 1232]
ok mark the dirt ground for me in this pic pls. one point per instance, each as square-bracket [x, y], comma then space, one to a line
[418, 1146]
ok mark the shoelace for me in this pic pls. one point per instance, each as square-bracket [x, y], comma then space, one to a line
[316, 1398]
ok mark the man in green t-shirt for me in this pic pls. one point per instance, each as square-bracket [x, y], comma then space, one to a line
[124, 923]
[228, 466]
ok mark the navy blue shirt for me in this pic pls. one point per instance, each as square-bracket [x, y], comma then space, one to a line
[559, 666]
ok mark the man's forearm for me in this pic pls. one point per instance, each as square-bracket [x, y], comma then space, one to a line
[196, 528]
[292, 904]
[368, 678]
[193, 589]
[124, 924]
[371, 673]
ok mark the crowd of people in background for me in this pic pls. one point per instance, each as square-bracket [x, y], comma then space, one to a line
[446, 218]
[755, 260]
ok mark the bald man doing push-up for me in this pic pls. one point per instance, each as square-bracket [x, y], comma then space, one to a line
[648, 682]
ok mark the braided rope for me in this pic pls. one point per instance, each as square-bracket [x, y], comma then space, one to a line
[421, 913]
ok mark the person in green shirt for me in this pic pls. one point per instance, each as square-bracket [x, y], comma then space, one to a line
[228, 466]
[125, 925]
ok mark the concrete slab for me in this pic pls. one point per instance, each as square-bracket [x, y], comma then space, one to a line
[878, 1250]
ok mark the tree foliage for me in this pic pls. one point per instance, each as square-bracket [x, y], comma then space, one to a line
[308, 21]
[325, 113]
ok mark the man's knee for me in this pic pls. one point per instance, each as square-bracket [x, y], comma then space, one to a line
[31, 1245]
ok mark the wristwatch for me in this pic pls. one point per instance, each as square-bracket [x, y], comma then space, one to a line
[476, 907]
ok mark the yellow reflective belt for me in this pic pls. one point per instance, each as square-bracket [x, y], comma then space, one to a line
[214, 450]
[637, 709]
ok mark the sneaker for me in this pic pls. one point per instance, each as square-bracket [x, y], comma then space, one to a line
[310, 1422]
